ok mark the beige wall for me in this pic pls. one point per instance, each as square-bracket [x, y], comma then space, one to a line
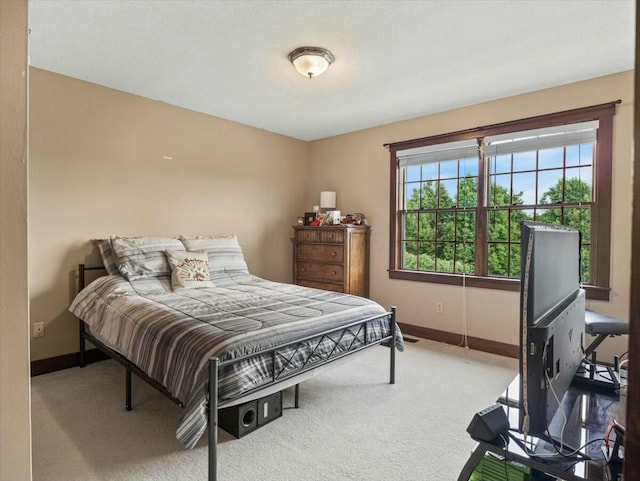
[15, 429]
[97, 168]
[356, 166]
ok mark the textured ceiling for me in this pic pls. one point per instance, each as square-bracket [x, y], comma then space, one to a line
[395, 60]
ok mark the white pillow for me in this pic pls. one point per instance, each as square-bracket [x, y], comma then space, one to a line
[144, 257]
[225, 253]
[189, 270]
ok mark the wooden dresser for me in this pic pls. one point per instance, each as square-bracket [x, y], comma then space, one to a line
[334, 258]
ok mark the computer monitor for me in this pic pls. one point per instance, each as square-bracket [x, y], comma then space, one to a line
[552, 313]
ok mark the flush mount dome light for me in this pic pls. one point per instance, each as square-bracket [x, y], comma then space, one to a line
[311, 61]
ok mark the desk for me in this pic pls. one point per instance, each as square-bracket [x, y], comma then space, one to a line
[589, 415]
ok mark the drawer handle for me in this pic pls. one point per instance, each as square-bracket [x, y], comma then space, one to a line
[333, 273]
[304, 269]
[334, 253]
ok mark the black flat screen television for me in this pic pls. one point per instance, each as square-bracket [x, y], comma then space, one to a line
[552, 312]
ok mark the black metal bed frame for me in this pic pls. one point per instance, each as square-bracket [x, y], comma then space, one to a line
[215, 364]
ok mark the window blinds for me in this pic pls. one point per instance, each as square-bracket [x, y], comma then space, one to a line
[463, 149]
[538, 139]
[510, 143]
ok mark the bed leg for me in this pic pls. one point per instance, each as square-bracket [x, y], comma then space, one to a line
[296, 397]
[213, 419]
[81, 281]
[81, 359]
[128, 388]
[392, 360]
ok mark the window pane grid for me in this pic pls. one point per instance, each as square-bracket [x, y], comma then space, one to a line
[441, 240]
[558, 191]
[439, 216]
[523, 177]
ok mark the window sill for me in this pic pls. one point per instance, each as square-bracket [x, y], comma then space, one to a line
[499, 283]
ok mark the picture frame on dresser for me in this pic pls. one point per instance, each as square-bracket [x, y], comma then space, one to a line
[309, 217]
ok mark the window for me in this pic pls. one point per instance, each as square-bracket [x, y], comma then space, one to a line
[544, 175]
[459, 198]
[440, 186]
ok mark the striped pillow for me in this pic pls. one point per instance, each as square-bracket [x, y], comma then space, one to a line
[225, 253]
[144, 257]
[109, 258]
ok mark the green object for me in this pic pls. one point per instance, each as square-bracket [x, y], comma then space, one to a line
[494, 468]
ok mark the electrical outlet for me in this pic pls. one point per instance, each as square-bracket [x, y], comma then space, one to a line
[38, 329]
[439, 307]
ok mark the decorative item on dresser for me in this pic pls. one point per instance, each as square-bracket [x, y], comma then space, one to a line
[334, 258]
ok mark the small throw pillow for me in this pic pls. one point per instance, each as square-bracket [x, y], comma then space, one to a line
[189, 270]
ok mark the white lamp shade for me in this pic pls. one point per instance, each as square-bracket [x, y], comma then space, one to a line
[328, 200]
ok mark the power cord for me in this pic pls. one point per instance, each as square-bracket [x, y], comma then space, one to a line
[505, 441]
[575, 455]
[555, 396]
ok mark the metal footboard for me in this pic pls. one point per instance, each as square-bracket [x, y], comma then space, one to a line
[215, 364]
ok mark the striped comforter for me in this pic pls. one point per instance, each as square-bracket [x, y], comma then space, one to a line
[171, 335]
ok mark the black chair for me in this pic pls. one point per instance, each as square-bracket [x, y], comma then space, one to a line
[591, 373]
[602, 326]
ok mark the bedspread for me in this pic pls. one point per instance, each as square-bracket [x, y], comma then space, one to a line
[172, 335]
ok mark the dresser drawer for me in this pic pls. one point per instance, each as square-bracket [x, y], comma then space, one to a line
[320, 235]
[319, 271]
[322, 285]
[320, 252]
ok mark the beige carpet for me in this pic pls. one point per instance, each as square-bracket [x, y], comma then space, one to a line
[352, 425]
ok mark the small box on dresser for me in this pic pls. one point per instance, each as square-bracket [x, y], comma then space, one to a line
[334, 258]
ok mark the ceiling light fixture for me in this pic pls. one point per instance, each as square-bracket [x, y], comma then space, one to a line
[311, 61]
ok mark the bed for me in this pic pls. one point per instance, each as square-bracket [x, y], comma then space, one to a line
[229, 338]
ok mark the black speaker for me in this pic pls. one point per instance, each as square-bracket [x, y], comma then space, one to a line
[269, 408]
[239, 420]
[488, 424]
